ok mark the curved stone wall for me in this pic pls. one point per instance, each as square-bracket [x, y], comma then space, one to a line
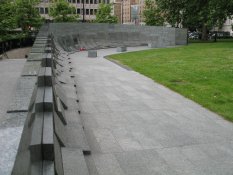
[73, 36]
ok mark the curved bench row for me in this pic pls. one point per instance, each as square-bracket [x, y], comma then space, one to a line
[53, 139]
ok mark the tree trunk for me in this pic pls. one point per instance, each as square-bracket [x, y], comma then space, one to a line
[204, 33]
[215, 36]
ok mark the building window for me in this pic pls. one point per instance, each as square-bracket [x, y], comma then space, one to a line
[41, 10]
[74, 1]
[91, 1]
[82, 12]
[108, 2]
[91, 11]
[100, 1]
[78, 1]
[95, 11]
[78, 11]
[46, 10]
[87, 11]
[69, 1]
[87, 1]
[95, 1]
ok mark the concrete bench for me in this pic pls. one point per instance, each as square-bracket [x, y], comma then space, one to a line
[122, 49]
[153, 45]
[92, 53]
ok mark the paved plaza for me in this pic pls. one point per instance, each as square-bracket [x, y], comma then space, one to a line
[136, 126]
[10, 125]
[133, 125]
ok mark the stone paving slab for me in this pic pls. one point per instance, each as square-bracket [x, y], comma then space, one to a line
[136, 126]
[31, 68]
[37, 50]
[12, 120]
[74, 162]
[36, 56]
[40, 41]
[9, 147]
[23, 93]
[10, 133]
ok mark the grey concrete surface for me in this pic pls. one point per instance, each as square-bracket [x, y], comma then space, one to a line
[135, 126]
[11, 125]
[74, 162]
[22, 94]
[9, 73]
[31, 68]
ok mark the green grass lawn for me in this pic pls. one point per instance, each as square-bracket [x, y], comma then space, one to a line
[202, 72]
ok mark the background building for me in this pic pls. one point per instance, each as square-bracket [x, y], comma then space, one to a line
[132, 11]
[127, 11]
[117, 10]
[227, 26]
[121, 8]
[43, 8]
[141, 4]
[90, 8]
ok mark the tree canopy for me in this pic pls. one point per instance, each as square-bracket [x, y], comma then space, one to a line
[27, 15]
[152, 15]
[62, 11]
[18, 14]
[202, 14]
[103, 14]
[7, 16]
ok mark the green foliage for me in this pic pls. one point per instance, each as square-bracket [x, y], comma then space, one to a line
[7, 16]
[12, 36]
[27, 15]
[18, 14]
[152, 15]
[104, 14]
[62, 11]
[199, 71]
[171, 10]
[202, 14]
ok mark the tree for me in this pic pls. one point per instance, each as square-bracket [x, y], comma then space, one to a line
[152, 15]
[201, 14]
[104, 14]
[62, 11]
[27, 15]
[171, 10]
[7, 17]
